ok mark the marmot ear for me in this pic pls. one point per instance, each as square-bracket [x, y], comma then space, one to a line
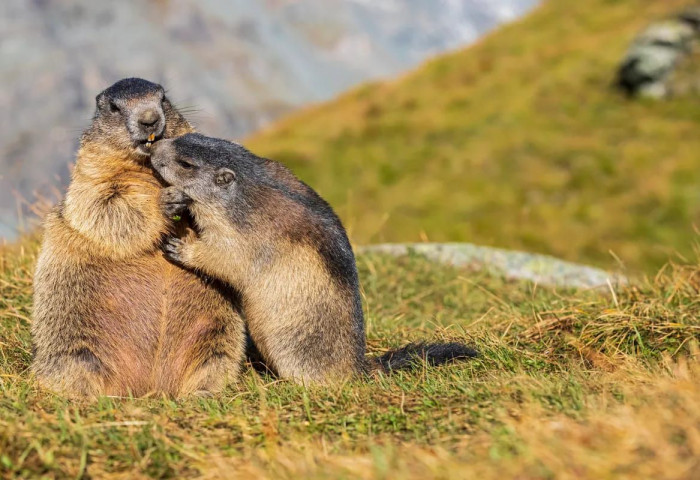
[225, 176]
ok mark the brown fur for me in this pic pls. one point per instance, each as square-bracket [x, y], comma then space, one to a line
[304, 318]
[111, 315]
[280, 244]
[288, 295]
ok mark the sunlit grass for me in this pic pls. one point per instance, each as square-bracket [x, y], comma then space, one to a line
[579, 383]
[517, 142]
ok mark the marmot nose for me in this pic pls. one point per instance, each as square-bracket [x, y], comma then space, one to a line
[148, 118]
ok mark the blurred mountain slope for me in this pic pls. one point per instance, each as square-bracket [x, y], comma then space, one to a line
[517, 142]
[241, 63]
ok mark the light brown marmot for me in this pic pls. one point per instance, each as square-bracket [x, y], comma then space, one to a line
[111, 315]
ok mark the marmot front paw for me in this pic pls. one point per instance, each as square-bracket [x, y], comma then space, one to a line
[174, 201]
[173, 247]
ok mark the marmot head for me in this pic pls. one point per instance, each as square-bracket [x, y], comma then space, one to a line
[132, 114]
[211, 171]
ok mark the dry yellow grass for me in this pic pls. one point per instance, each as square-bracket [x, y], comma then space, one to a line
[516, 142]
[571, 384]
[655, 435]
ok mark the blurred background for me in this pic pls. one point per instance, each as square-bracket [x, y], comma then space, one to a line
[558, 127]
[234, 65]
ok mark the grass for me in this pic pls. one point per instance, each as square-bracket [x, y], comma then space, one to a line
[570, 384]
[518, 142]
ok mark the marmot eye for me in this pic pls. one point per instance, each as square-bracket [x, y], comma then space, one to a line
[185, 164]
[113, 107]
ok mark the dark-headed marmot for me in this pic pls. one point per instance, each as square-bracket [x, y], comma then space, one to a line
[276, 240]
[111, 315]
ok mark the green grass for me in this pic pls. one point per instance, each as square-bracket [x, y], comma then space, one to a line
[570, 383]
[518, 142]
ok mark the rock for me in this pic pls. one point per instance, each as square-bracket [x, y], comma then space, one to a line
[691, 16]
[540, 269]
[655, 54]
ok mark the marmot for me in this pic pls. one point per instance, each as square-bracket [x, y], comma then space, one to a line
[111, 315]
[273, 238]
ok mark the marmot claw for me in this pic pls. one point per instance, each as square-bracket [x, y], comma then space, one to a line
[174, 201]
[172, 247]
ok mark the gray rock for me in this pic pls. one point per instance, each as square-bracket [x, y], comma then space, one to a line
[540, 269]
[655, 54]
[691, 16]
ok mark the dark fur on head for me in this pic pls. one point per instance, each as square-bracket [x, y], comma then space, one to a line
[129, 112]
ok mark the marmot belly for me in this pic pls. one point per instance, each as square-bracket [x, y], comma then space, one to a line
[158, 323]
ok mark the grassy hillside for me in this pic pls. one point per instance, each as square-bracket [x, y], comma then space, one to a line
[516, 142]
[570, 385]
